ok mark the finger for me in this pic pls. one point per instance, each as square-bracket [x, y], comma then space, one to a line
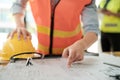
[24, 33]
[29, 35]
[11, 34]
[69, 62]
[8, 36]
[71, 58]
[79, 58]
[18, 33]
[65, 53]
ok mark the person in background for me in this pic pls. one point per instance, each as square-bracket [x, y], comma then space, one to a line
[59, 27]
[110, 26]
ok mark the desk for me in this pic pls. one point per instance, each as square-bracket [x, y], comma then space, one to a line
[91, 68]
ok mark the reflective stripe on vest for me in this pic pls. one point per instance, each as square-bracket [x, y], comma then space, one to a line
[67, 27]
[111, 24]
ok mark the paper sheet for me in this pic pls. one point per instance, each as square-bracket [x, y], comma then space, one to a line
[53, 69]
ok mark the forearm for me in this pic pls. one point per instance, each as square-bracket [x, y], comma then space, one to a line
[88, 40]
[18, 11]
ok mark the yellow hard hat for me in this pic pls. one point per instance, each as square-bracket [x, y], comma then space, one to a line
[14, 46]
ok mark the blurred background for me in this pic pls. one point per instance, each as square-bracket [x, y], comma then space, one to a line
[7, 24]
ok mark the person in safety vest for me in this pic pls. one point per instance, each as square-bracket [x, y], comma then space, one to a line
[59, 27]
[110, 26]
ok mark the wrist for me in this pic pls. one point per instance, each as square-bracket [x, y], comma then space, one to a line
[19, 19]
[20, 25]
[82, 43]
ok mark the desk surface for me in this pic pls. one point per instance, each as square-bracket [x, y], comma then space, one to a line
[91, 68]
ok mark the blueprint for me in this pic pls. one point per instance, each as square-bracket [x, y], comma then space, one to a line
[91, 68]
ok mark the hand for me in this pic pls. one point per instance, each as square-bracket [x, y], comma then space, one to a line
[109, 13]
[74, 53]
[20, 31]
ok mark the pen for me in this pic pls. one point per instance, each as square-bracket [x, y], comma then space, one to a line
[111, 64]
[117, 76]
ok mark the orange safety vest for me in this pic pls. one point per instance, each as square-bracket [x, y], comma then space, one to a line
[63, 29]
